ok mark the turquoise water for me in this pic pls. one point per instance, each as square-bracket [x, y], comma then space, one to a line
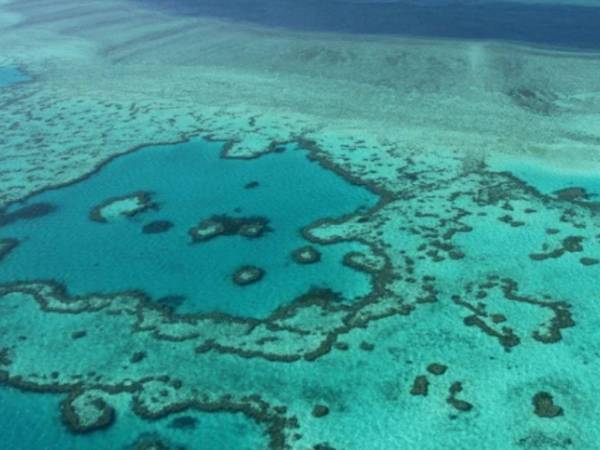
[10, 75]
[478, 326]
[190, 183]
[32, 422]
[548, 180]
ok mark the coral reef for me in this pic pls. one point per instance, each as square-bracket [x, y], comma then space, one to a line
[128, 205]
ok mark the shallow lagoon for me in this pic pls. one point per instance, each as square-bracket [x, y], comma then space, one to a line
[190, 183]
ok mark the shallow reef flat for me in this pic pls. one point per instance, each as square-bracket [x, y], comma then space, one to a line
[467, 317]
[461, 333]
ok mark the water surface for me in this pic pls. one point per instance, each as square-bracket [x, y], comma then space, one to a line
[537, 23]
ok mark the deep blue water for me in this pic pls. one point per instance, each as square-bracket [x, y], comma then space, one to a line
[555, 25]
[191, 183]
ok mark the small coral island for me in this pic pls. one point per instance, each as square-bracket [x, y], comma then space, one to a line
[128, 205]
[248, 275]
[223, 225]
[306, 255]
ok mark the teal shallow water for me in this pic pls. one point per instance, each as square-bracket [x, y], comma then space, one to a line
[11, 75]
[548, 180]
[367, 390]
[32, 422]
[191, 182]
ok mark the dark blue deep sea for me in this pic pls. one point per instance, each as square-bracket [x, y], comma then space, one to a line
[561, 25]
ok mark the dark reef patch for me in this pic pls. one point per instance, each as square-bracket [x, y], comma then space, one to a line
[320, 411]
[589, 261]
[547, 332]
[79, 334]
[224, 225]
[544, 405]
[306, 255]
[144, 203]
[137, 357]
[539, 440]
[151, 441]
[420, 386]
[571, 194]
[158, 226]
[171, 301]
[101, 414]
[460, 405]
[7, 245]
[184, 423]
[437, 369]
[251, 185]
[533, 100]
[570, 244]
[366, 346]
[248, 275]
[29, 212]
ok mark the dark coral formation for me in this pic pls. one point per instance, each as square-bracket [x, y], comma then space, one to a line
[571, 193]
[534, 100]
[151, 441]
[420, 386]
[320, 411]
[157, 226]
[248, 275]
[184, 423]
[78, 334]
[544, 405]
[224, 225]
[5, 357]
[29, 212]
[251, 185]
[7, 245]
[143, 198]
[570, 244]
[437, 369]
[366, 346]
[171, 302]
[138, 357]
[508, 290]
[306, 255]
[460, 405]
[96, 414]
